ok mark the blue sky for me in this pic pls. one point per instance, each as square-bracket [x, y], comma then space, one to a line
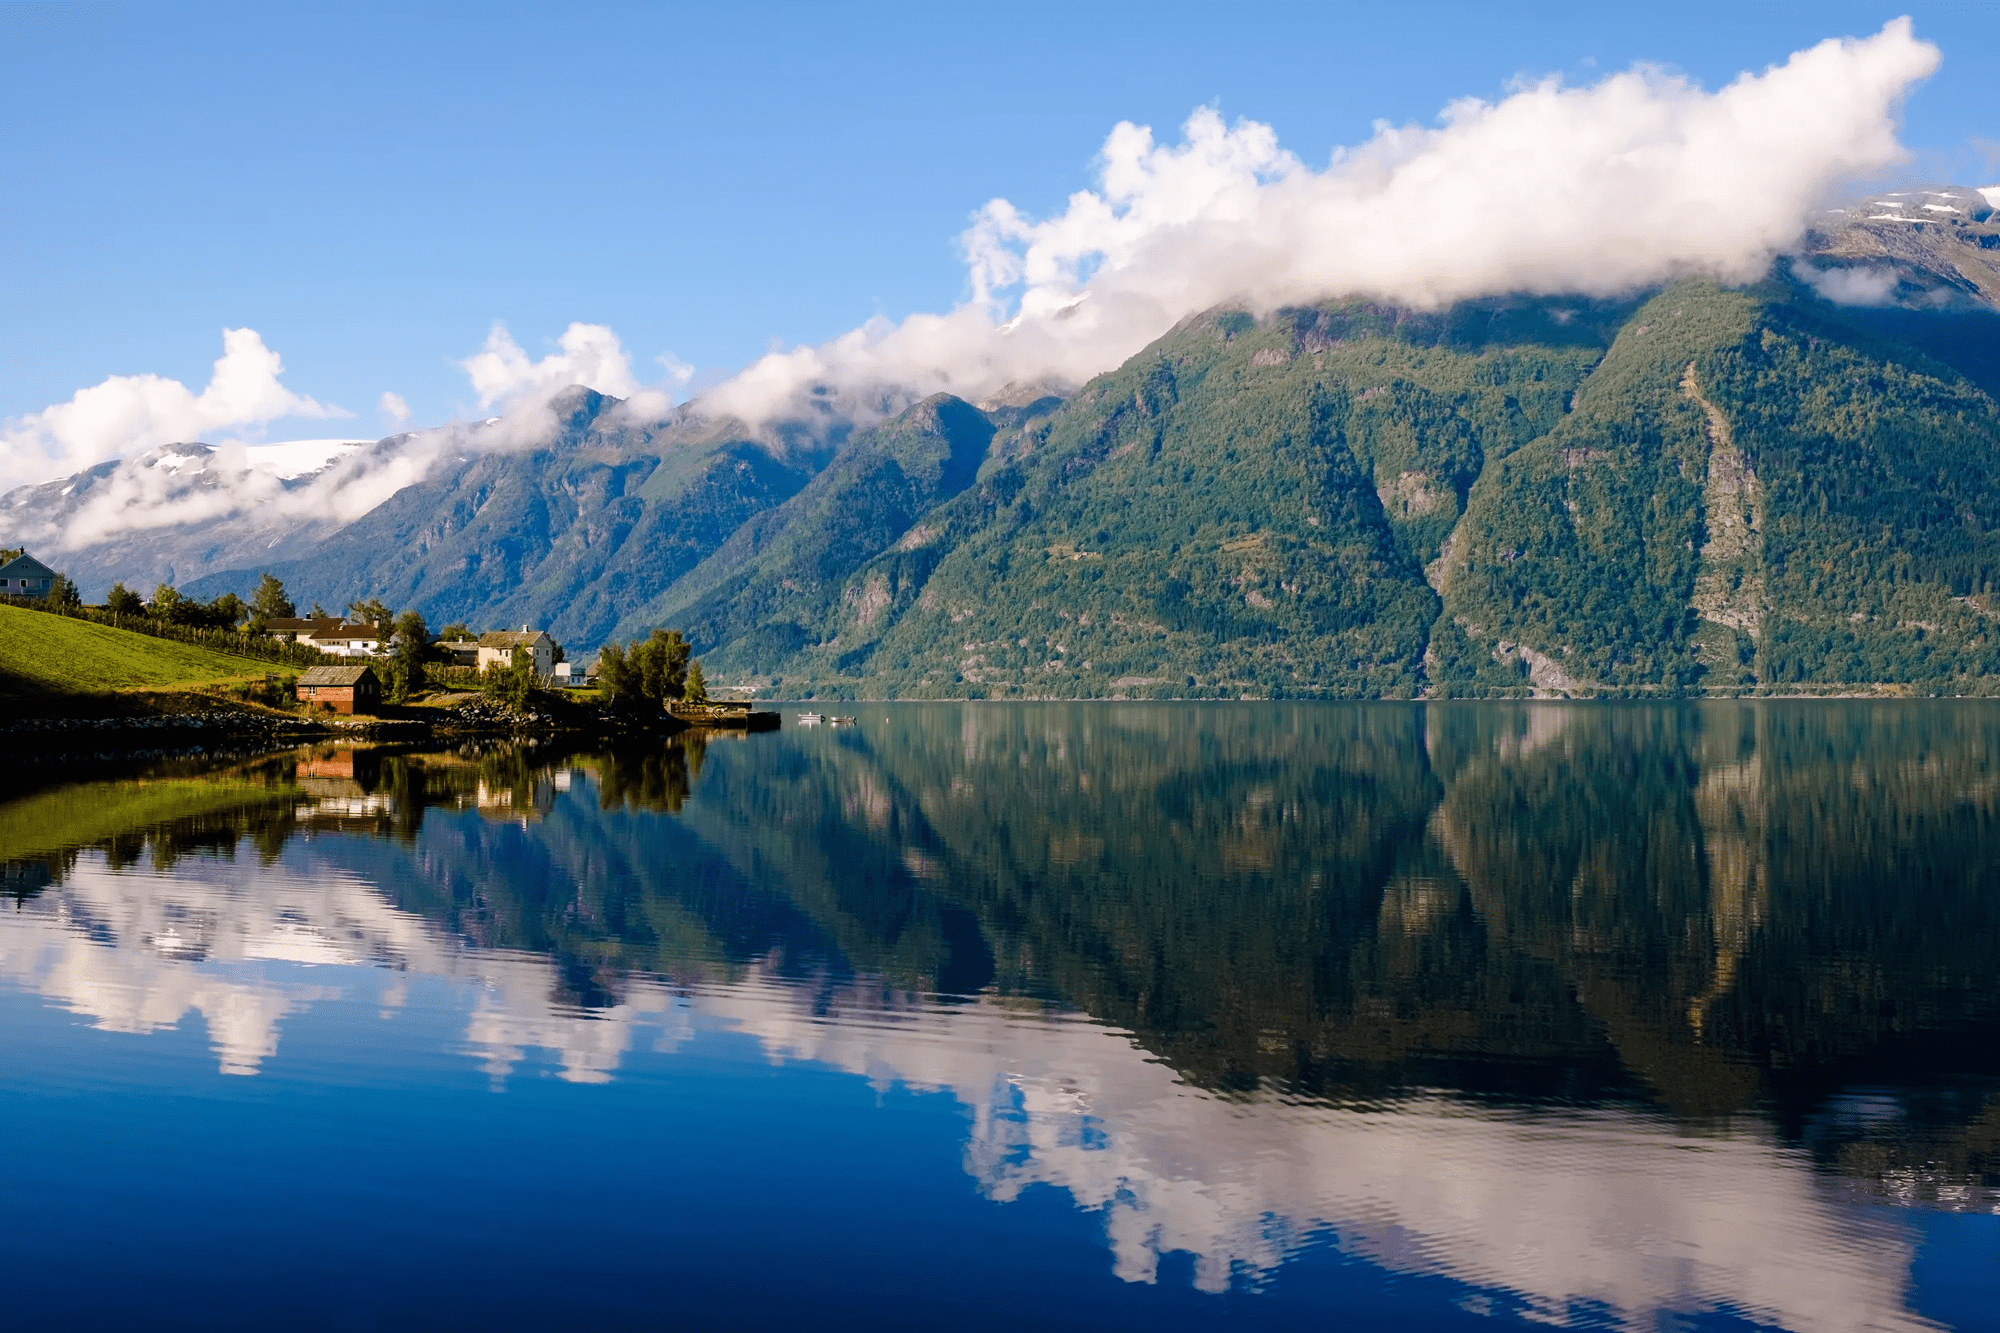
[372, 187]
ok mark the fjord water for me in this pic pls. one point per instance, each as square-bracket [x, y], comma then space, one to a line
[1092, 1015]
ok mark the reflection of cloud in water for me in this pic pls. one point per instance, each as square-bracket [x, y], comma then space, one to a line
[1612, 1209]
[1606, 1210]
[137, 951]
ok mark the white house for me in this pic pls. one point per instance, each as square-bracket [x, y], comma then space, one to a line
[348, 640]
[496, 648]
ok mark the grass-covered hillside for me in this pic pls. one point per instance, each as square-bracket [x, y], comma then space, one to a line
[48, 655]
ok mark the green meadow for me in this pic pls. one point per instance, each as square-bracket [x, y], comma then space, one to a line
[48, 654]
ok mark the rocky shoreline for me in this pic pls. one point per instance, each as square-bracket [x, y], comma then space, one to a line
[229, 731]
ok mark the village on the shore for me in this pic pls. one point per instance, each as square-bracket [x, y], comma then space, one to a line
[370, 658]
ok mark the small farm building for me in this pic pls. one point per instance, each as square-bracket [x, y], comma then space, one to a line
[344, 689]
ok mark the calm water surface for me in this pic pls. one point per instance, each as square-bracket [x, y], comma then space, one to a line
[1087, 1016]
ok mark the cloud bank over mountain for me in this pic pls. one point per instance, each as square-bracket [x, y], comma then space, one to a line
[1600, 189]
[1638, 178]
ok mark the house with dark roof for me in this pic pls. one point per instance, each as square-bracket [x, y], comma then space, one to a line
[25, 576]
[293, 628]
[343, 689]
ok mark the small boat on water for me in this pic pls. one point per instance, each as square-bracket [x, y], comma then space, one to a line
[810, 719]
[841, 721]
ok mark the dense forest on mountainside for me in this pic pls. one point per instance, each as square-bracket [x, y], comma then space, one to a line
[1703, 490]
[1692, 490]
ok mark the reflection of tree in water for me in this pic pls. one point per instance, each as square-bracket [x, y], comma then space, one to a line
[1717, 908]
[650, 777]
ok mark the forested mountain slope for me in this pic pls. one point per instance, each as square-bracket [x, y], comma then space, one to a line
[786, 567]
[1703, 490]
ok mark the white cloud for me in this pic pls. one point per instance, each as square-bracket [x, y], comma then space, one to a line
[1600, 189]
[393, 407]
[1850, 286]
[127, 414]
[590, 355]
[1596, 189]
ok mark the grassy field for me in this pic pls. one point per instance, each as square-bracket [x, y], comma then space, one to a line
[46, 654]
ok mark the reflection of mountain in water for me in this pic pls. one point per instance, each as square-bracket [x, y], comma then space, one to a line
[1435, 977]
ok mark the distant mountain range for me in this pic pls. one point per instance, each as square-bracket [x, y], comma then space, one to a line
[1694, 489]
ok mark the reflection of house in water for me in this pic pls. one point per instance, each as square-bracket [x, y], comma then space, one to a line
[334, 782]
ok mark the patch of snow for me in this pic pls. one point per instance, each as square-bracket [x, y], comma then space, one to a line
[1891, 217]
[67, 489]
[296, 458]
[1992, 194]
[1940, 208]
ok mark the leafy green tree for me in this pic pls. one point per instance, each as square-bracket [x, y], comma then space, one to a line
[455, 631]
[269, 602]
[166, 601]
[513, 685]
[122, 601]
[225, 612]
[696, 691]
[646, 676]
[63, 594]
[411, 642]
[373, 612]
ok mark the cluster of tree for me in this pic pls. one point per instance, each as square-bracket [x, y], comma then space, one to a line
[650, 674]
[169, 606]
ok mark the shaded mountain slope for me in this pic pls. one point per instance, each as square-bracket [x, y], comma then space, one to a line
[562, 535]
[779, 577]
